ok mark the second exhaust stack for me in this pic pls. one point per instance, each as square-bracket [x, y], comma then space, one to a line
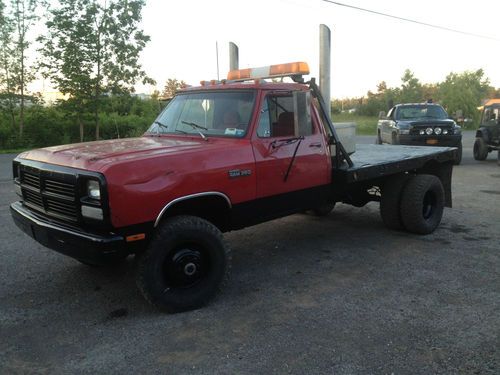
[324, 63]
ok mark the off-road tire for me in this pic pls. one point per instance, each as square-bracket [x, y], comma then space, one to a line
[390, 202]
[480, 149]
[422, 204]
[458, 158]
[162, 275]
[323, 210]
[394, 139]
[498, 157]
[378, 140]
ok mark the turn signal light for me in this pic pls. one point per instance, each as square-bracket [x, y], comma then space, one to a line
[135, 237]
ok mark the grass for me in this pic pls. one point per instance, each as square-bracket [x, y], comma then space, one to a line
[13, 151]
[365, 125]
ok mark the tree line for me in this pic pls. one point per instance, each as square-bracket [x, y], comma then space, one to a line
[89, 51]
[460, 93]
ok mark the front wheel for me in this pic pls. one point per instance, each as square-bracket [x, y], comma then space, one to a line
[184, 266]
[422, 204]
[480, 149]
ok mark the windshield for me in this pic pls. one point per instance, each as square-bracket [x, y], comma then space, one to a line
[207, 114]
[421, 112]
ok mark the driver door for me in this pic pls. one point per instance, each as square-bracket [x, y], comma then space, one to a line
[285, 128]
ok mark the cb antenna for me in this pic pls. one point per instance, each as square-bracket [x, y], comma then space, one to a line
[217, 58]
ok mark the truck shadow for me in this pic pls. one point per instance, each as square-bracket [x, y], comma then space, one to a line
[298, 256]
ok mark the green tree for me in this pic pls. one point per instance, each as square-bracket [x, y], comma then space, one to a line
[464, 91]
[7, 96]
[430, 91]
[411, 89]
[171, 87]
[23, 17]
[92, 50]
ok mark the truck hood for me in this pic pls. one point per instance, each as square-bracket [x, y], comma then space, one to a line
[96, 155]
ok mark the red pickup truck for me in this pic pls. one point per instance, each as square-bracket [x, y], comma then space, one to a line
[220, 157]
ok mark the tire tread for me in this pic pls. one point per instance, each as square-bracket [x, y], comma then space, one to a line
[167, 228]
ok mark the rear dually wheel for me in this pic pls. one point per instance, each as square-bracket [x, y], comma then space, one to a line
[422, 204]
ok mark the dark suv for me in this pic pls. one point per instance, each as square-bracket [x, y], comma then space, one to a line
[419, 124]
[488, 134]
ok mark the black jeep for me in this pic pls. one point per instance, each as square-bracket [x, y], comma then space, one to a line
[488, 134]
[420, 124]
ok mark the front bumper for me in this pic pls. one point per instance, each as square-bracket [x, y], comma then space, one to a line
[86, 247]
[452, 140]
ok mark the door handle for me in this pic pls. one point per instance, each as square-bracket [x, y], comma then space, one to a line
[317, 145]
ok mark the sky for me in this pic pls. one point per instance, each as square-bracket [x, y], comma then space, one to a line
[366, 48]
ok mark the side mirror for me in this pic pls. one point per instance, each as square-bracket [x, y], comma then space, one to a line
[381, 115]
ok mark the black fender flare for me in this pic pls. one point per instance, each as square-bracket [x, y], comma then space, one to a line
[483, 133]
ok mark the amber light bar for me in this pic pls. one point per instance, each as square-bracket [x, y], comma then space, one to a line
[271, 71]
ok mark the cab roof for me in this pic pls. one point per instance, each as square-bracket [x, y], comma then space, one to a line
[417, 104]
[255, 78]
[252, 85]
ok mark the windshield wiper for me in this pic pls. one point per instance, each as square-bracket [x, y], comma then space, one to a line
[160, 125]
[196, 126]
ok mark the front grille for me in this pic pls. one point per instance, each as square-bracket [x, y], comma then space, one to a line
[53, 194]
[31, 179]
[60, 188]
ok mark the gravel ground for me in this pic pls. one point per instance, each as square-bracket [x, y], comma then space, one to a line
[334, 295]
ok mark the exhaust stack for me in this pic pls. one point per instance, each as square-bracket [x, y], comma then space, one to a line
[324, 64]
[233, 56]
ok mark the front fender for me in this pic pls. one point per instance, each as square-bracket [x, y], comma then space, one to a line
[483, 133]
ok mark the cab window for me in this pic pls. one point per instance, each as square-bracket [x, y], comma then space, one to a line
[285, 115]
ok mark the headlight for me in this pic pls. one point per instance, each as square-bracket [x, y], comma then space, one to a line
[422, 132]
[445, 131]
[93, 189]
[428, 131]
[437, 130]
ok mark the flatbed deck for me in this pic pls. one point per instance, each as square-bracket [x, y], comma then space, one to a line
[372, 161]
